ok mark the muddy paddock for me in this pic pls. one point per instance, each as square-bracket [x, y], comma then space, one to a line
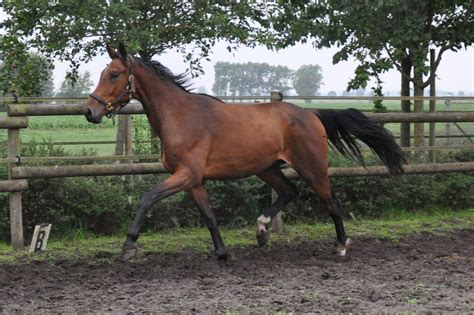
[421, 273]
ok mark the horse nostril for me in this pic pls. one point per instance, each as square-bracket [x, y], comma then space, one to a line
[89, 112]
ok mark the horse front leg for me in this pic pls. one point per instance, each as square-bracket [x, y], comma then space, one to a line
[175, 183]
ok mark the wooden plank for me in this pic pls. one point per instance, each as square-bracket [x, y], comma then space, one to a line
[24, 172]
[13, 122]
[422, 117]
[382, 170]
[16, 216]
[18, 110]
[13, 185]
[19, 172]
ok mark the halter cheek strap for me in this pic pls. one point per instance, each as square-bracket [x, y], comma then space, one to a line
[123, 98]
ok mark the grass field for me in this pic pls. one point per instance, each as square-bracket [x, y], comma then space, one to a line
[76, 128]
[393, 226]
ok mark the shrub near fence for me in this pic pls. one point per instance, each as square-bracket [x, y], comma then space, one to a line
[106, 204]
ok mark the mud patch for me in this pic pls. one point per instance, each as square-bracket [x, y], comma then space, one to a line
[421, 273]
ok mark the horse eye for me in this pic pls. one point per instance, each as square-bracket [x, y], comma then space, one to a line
[114, 75]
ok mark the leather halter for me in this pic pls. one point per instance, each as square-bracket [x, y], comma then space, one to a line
[123, 98]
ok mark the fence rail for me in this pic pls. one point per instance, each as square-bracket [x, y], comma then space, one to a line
[266, 97]
[19, 174]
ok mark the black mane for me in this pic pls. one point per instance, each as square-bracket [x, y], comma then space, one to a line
[180, 80]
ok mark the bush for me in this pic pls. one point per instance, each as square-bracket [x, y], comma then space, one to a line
[107, 205]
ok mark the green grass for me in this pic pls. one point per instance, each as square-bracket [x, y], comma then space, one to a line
[394, 226]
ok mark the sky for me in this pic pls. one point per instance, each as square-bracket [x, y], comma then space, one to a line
[455, 73]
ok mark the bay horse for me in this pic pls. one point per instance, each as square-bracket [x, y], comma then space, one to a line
[203, 138]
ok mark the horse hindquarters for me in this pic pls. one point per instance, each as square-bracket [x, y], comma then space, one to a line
[307, 153]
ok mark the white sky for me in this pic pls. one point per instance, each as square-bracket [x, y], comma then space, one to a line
[456, 71]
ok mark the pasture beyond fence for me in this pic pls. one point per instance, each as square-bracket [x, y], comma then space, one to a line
[18, 174]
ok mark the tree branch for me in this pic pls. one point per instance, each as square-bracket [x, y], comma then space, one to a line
[436, 64]
[397, 65]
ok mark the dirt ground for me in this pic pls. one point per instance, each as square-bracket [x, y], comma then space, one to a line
[421, 273]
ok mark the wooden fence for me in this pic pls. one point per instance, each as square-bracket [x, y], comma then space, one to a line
[18, 174]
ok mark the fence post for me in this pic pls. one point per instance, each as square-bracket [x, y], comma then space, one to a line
[129, 139]
[277, 221]
[16, 216]
[432, 141]
[447, 130]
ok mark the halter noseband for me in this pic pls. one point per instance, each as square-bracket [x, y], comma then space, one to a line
[123, 98]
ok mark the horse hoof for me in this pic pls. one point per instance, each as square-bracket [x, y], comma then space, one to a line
[128, 253]
[224, 257]
[262, 237]
[341, 250]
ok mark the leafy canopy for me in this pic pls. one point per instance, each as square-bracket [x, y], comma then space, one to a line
[378, 34]
[307, 80]
[23, 73]
[79, 88]
[75, 31]
[250, 78]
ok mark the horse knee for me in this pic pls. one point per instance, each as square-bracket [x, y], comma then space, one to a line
[333, 206]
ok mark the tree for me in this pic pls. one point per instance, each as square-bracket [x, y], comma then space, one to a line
[381, 35]
[307, 80]
[76, 31]
[23, 73]
[250, 78]
[76, 88]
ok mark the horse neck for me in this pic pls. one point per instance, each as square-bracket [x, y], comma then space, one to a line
[163, 101]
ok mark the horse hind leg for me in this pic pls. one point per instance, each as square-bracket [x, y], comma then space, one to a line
[319, 182]
[286, 191]
[309, 159]
[202, 200]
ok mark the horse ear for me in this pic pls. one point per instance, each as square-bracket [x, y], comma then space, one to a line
[122, 51]
[112, 53]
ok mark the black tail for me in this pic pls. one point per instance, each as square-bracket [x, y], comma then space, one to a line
[343, 127]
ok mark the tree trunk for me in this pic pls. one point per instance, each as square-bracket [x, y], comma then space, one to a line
[405, 104]
[419, 130]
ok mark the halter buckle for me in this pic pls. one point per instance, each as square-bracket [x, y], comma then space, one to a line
[109, 107]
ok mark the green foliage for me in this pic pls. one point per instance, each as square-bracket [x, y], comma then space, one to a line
[251, 78]
[78, 87]
[77, 31]
[106, 205]
[378, 34]
[23, 73]
[307, 80]
[56, 123]
[142, 142]
[378, 104]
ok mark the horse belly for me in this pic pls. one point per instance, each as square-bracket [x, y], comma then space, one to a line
[238, 162]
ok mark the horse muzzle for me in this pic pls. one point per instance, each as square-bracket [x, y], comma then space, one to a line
[92, 115]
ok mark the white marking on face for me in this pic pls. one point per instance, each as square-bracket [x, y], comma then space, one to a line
[262, 223]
